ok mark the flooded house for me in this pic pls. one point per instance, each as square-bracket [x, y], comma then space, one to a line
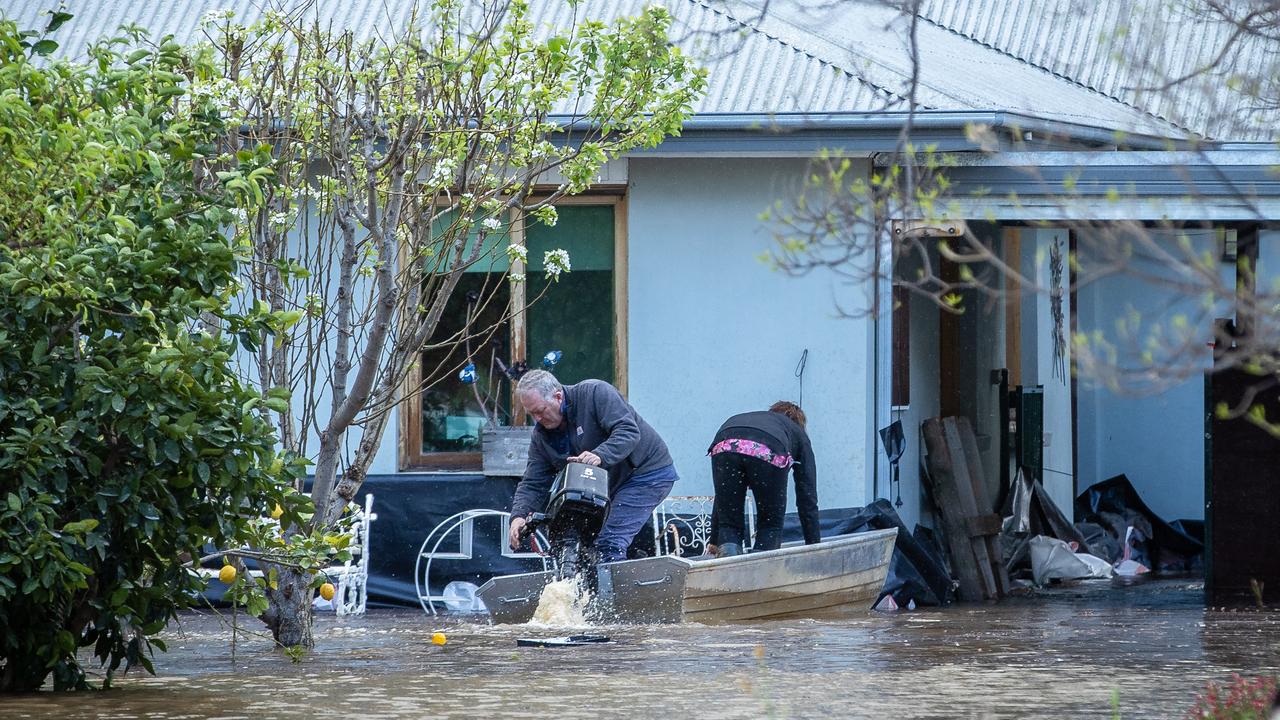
[1057, 149]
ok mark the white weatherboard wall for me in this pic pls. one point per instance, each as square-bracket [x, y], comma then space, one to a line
[1038, 358]
[1156, 440]
[925, 404]
[714, 332]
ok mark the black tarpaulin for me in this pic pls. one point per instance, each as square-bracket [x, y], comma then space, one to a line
[916, 571]
[1115, 499]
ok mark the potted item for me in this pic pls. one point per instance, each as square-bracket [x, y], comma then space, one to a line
[504, 448]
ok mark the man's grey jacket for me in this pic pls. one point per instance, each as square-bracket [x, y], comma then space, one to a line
[598, 419]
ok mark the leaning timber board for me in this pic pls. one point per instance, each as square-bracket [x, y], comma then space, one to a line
[946, 493]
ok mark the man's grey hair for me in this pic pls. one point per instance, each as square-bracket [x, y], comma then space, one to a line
[539, 381]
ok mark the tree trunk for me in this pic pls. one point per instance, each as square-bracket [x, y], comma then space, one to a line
[23, 673]
[289, 614]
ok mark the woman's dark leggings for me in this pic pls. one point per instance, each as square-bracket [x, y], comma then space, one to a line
[733, 475]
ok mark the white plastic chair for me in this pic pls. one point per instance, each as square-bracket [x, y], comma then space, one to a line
[352, 577]
[463, 524]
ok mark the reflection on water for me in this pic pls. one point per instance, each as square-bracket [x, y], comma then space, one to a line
[1059, 657]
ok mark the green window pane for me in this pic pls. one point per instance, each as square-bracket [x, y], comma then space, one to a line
[493, 255]
[576, 314]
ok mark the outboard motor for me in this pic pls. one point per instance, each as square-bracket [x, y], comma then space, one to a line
[575, 513]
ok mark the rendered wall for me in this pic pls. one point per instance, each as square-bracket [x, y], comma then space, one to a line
[1156, 440]
[714, 332]
[1041, 364]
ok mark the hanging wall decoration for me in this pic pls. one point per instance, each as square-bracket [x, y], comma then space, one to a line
[1056, 293]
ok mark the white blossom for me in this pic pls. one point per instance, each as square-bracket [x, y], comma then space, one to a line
[215, 17]
[443, 172]
[517, 253]
[281, 219]
[491, 223]
[556, 262]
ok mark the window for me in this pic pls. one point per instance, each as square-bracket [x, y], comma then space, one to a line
[580, 315]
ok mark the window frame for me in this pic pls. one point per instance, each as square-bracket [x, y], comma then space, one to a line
[410, 456]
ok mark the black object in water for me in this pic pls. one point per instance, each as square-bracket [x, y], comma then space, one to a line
[563, 641]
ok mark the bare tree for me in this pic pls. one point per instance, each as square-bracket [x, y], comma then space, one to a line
[908, 213]
[400, 163]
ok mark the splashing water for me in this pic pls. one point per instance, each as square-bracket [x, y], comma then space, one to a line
[563, 604]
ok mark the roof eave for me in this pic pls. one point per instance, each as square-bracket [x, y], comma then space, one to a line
[865, 133]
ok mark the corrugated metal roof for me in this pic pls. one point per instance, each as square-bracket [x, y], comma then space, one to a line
[1127, 50]
[841, 57]
[955, 73]
[750, 71]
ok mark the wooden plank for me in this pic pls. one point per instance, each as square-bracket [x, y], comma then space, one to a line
[949, 348]
[968, 494]
[1013, 306]
[620, 265]
[983, 525]
[519, 318]
[973, 459]
[943, 483]
[409, 418]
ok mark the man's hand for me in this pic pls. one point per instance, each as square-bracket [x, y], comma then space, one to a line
[586, 458]
[513, 537]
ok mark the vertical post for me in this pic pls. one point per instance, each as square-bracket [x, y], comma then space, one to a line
[519, 320]
[620, 295]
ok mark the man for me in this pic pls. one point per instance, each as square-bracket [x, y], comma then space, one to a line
[591, 423]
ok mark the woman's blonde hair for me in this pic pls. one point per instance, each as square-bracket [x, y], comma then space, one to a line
[789, 409]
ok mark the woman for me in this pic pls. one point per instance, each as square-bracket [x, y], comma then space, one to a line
[753, 451]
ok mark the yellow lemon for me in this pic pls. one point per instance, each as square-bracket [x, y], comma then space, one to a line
[438, 638]
[276, 512]
[227, 574]
[326, 591]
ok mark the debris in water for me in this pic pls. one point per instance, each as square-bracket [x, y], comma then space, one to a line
[564, 641]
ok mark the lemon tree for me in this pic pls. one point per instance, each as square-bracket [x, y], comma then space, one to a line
[127, 444]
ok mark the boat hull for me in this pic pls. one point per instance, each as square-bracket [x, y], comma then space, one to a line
[801, 580]
[840, 573]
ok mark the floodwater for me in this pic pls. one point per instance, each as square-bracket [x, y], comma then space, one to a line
[1059, 654]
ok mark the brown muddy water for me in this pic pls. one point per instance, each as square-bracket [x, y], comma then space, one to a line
[1056, 654]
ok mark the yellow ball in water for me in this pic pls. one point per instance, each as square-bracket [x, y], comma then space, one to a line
[438, 638]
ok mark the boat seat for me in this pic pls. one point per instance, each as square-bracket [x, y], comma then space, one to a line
[682, 524]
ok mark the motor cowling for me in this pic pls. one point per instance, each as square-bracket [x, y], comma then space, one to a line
[579, 501]
[579, 494]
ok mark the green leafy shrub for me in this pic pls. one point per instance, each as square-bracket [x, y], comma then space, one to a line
[126, 442]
